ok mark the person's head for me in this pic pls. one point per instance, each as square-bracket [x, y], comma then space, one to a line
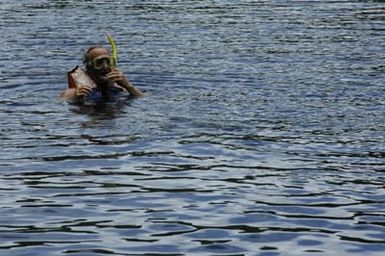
[98, 60]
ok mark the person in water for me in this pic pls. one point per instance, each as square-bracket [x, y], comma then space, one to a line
[99, 81]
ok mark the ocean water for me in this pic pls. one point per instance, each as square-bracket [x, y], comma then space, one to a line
[261, 132]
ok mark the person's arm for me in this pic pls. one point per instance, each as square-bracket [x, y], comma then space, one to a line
[73, 94]
[69, 94]
[134, 91]
[118, 77]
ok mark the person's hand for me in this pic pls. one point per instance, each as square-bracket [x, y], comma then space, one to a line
[84, 90]
[116, 76]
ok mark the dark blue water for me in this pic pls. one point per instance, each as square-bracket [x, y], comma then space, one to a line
[262, 132]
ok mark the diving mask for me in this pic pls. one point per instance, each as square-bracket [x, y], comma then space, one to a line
[102, 61]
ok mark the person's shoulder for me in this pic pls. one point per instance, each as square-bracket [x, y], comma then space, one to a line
[80, 73]
[78, 77]
[77, 70]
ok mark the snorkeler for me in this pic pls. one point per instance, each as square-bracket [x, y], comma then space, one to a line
[99, 80]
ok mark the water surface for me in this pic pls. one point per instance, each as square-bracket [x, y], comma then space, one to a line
[262, 132]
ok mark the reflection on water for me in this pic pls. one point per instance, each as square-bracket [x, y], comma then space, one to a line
[101, 111]
[262, 132]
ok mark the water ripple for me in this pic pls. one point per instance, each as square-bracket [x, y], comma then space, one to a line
[262, 132]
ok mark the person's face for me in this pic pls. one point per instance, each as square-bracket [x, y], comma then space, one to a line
[101, 61]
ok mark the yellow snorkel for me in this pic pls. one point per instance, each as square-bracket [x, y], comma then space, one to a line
[113, 48]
